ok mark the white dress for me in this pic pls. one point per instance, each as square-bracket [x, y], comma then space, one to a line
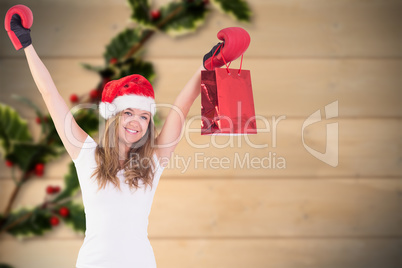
[116, 222]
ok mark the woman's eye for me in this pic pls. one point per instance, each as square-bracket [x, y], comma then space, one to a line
[144, 117]
[128, 113]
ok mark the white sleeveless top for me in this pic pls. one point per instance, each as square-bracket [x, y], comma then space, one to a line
[116, 221]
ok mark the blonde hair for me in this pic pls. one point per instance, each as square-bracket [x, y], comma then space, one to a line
[138, 163]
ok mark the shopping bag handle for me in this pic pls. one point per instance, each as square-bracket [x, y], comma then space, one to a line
[227, 66]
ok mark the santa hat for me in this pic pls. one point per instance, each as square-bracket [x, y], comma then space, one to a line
[133, 91]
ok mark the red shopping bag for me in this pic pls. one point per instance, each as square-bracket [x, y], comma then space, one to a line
[227, 105]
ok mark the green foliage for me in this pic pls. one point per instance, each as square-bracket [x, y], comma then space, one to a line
[141, 11]
[34, 222]
[88, 119]
[71, 184]
[135, 66]
[30, 104]
[104, 72]
[123, 42]
[188, 17]
[119, 70]
[17, 143]
[237, 8]
[12, 129]
[27, 155]
[76, 218]
[157, 119]
[176, 18]
[92, 68]
[51, 138]
[117, 49]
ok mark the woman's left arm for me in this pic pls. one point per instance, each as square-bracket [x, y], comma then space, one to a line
[171, 130]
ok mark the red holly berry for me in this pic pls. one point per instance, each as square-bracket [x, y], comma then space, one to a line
[52, 189]
[54, 221]
[56, 189]
[64, 212]
[93, 94]
[155, 14]
[39, 169]
[113, 61]
[9, 163]
[74, 98]
[38, 120]
[49, 189]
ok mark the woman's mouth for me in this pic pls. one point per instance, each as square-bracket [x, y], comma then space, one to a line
[132, 132]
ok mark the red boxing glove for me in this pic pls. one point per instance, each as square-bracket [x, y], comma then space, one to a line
[17, 23]
[235, 42]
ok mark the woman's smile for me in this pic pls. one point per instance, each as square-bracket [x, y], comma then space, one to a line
[131, 131]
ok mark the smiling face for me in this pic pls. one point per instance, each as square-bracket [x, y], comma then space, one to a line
[133, 125]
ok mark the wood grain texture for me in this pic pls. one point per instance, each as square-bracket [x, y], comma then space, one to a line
[367, 147]
[310, 29]
[225, 253]
[302, 56]
[250, 207]
[290, 87]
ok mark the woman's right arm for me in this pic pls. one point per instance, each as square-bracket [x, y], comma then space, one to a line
[71, 134]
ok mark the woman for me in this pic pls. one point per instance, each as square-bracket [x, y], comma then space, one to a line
[114, 175]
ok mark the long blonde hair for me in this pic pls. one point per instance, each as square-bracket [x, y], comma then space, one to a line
[138, 164]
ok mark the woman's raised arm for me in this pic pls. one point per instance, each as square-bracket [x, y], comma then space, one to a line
[171, 130]
[235, 42]
[71, 134]
[18, 22]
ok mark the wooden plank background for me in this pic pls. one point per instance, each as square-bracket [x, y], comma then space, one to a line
[303, 56]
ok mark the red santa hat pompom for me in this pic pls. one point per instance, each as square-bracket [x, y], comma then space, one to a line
[133, 91]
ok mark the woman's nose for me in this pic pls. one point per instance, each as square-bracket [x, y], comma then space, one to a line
[134, 121]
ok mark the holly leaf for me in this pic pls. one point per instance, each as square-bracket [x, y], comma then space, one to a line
[185, 17]
[92, 68]
[88, 120]
[27, 155]
[141, 11]
[27, 222]
[33, 106]
[71, 183]
[52, 137]
[135, 66]
[76, 217]
[36, 221]
[123, 42]
[157, 119]
[103, 71]
[239, 9]
[12, 129]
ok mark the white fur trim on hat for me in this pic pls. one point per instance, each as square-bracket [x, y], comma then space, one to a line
[120, 103]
